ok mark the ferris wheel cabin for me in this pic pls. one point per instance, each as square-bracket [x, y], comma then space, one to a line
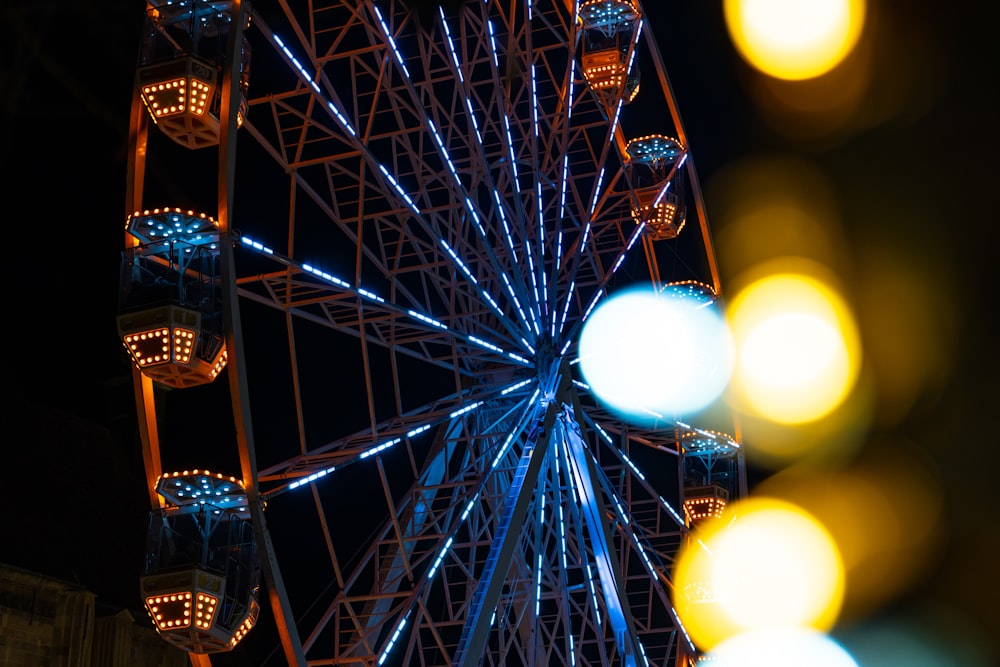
[609, 47]
[654, 163]
[170, 302]
[201, 579]
[179, 76]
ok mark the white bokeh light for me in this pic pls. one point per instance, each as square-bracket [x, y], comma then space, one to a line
[650, 355]
[783, 647]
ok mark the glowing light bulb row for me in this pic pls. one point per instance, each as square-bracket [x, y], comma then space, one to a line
[174, 96]
[202, 487]
[170, 611]
[704, 508]
[597, 13]
[205, 614]
[240, 632]
[154, 347]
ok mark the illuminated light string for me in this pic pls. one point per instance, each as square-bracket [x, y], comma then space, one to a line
[718, 437]
[631, 465]
[392, 181]
[371, 296]
[562, 187]
[503, 220]
[566, 305]
[538, 568]
[378, 449]
[538, 581]
[392, 42]
[604, 434]
[559, 242]
[635, 44]
[671, 510]
[493, 42]
[454, 173]
[440, 557]
[392, 640]
[580, 502]
[637, 539]
[482, 292]
[337, 113]
[534, 286]
[593, 203]
[614, 122]
[518, 358]
[585, 235]
[593, 302]
[607, 438]
[666, 186]
[428, 320]
[534, 95]
[459, 74]
[399, 189]
[593, 593]
[541, 219]
[532, 402]
[562, 536]
[451, 45]
[311, 478]
[472, 502]
[510, 245]
[510, 149]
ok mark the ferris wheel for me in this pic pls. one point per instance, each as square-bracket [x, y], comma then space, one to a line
[418, 205]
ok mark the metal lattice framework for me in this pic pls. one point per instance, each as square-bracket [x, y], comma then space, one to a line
[426, 201]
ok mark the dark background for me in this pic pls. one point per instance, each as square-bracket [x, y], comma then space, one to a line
[917, 171]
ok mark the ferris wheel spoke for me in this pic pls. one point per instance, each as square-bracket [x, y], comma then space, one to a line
[649, 535]
[324, 298]
[430, 524]
[436, 211]
[425, 95]
[319, 461]
[645, 533]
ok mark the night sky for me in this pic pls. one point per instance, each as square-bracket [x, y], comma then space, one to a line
[917, 172]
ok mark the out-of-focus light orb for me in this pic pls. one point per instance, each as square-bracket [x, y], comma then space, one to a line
[794, 39]
[797, 347]
[928, 634]
[649, 355]
[781, 647]
[764, 564]
[886, 513]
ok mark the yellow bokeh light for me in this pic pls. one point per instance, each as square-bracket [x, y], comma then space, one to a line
[885, 512]
[798, 350]
[794, 39]
[764, 564]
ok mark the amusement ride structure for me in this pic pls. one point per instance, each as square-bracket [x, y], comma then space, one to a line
[353, 309]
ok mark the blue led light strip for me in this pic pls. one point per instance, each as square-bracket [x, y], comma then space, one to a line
[421, 428]
[571, 482]
[484, 295]
[392, 640]
[641, 543]
[337, 113]
[627, 521]
[446, 157]
[370, 296]
[390, 40]
[527, 415]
